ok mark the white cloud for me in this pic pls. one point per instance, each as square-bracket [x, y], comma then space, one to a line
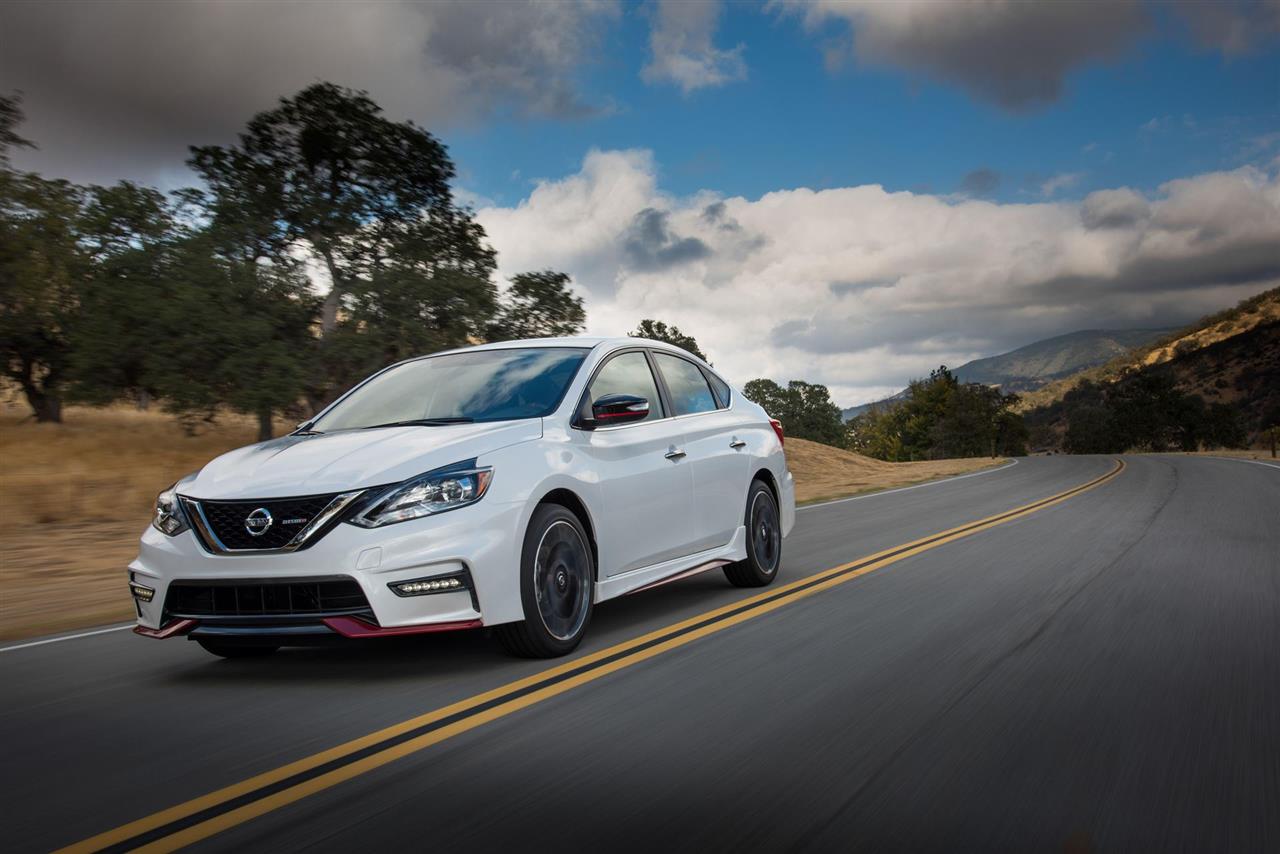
[861, 288]
[143, 80]
[683, 52]
[1061, 181]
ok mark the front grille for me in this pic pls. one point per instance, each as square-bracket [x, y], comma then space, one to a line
[256, 598]
[289, 516]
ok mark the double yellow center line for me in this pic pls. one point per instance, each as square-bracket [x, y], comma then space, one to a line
[215, 812]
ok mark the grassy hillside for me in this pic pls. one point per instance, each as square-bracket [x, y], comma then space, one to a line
[73, 499]
[1242, 370]
[824, 472]
[1258, 311]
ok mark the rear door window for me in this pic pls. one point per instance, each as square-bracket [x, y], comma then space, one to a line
[687, 386]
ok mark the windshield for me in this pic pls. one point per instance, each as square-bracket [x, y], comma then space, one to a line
[481, 385]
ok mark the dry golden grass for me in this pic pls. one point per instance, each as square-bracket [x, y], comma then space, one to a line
[823, 472]
[75, 496]
[1267, 311]
[1261, 455]
[73, 499]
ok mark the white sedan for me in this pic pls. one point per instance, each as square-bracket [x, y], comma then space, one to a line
[512, 485]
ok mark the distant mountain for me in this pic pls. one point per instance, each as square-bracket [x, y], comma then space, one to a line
[1035, 365]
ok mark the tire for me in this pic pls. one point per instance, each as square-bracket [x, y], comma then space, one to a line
[764, 540]
[557, 586]
[236, 650]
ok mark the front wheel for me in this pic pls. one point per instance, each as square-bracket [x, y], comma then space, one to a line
[557, 585]
[764, 540]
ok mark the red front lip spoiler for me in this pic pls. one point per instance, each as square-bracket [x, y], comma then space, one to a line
[170, 629]
[348, 627]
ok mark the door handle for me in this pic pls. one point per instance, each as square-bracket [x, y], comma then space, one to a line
[737, 443]
[674, 454]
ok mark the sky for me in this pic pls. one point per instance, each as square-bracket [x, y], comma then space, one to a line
[849, 193]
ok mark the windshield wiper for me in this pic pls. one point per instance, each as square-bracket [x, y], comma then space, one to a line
[423, 422]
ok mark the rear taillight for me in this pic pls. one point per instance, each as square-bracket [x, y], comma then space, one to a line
[777, 428]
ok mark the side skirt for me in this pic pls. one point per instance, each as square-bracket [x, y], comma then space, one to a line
[673, 570]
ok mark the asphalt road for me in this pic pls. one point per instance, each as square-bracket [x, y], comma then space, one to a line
[1100, 674]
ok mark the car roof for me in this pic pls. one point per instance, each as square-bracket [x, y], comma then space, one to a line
[576, 341]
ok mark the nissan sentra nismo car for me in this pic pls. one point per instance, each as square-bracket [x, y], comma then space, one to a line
[512, 485]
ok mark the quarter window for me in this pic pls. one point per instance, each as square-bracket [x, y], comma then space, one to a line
[627, 373]
[721, 388]
[686, 384]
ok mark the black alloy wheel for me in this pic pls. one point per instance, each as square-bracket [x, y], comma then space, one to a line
[764, 540]
[557, 586]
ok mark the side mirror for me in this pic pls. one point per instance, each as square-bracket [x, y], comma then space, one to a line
[618, 409]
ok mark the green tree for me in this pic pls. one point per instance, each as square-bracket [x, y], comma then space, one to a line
[805, 409]
[1150, 411]
[1012, 434]
[405, 311]
[1223, 427]
[877, 433]
[978, 420]
[656, 330]
[246, 338]
[128, 233]
[538, 305]
[941, 417]
[767, 394]
[1091, 429]
[370, 197]
[926, 404]
[42, 269]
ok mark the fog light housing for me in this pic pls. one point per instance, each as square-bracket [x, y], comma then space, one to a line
[141, 592]
[426, 586]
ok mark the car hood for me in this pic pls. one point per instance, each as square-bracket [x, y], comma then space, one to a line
[349, 459]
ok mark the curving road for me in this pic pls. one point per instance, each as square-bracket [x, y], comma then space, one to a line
[1097, 672]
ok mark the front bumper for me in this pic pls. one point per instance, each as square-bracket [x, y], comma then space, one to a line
[479, 540]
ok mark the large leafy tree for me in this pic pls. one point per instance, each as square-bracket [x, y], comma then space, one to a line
[538, 305]
[1146, 410]
[327, 173]
[127, 232]
[42, 269]
[941, 417]
[246, 337]
[977, 420]
[805, 409]
[656, 330]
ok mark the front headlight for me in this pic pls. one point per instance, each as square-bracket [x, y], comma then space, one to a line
[426, 495]
[168, 517]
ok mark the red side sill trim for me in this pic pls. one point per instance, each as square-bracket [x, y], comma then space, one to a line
[688, 573]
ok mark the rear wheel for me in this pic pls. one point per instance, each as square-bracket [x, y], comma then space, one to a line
[557, 585]
[236, 650]
[764, 540]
